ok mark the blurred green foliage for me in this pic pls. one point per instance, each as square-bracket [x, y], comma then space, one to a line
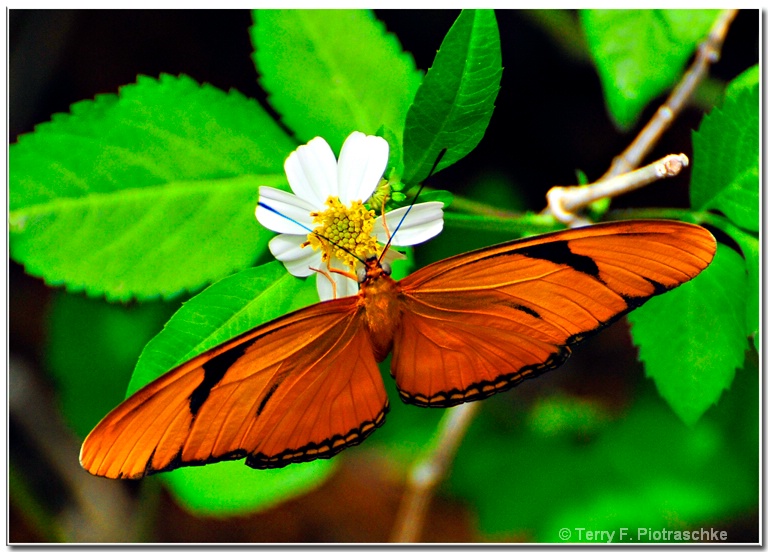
[595, 468]
[92, 350]
[150, 193]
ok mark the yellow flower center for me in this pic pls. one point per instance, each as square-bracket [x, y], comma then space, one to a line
[345, 232]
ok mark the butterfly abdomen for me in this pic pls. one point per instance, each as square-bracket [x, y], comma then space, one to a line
[381, 311]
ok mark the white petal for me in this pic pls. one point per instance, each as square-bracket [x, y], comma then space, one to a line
[311, 172]
[287, 213]
[362, 162]
[296, 259]
[345, 287]
[424, 221]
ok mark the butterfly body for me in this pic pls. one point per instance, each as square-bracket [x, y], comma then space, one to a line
[381, 302]
[307, 384]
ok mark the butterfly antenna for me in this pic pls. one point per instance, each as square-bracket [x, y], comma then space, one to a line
[421, 187]
[309, 230]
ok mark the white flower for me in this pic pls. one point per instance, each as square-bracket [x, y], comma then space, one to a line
[325, 227]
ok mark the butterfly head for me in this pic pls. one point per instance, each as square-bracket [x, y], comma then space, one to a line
[372, 269]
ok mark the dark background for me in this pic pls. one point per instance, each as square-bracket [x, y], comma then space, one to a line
[549, 121]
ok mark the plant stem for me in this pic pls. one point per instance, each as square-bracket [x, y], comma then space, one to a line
[517, 224]
[430, 470]
[466, 205]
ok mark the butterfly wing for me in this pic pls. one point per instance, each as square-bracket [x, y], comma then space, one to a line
[304, 386]
[481, 322]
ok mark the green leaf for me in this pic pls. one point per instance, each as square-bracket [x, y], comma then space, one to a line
[91, 349]
[331, 72]
[749, 79]
[145, 242]
[454, 103]
[641, 53]
[227, 308]
[750, 246]
[692, 339]
[231, 488]
[726, 158]
[750, 249]
[443, 196]
[147, 193]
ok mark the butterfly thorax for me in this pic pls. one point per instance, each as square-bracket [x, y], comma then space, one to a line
[381, 308]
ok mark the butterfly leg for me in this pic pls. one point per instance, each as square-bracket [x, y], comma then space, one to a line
[384, 219]
[324, 273]
[333, 282]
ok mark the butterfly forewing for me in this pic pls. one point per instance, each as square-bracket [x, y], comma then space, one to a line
[301, 387]
[479, 323]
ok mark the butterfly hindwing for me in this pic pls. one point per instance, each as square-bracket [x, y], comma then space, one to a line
[302, 387]
[481, 322]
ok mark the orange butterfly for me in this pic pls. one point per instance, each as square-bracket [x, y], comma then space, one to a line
[307, 384]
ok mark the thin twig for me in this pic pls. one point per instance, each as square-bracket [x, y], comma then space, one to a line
[708, 52]
[430, 470]
[564, 202]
